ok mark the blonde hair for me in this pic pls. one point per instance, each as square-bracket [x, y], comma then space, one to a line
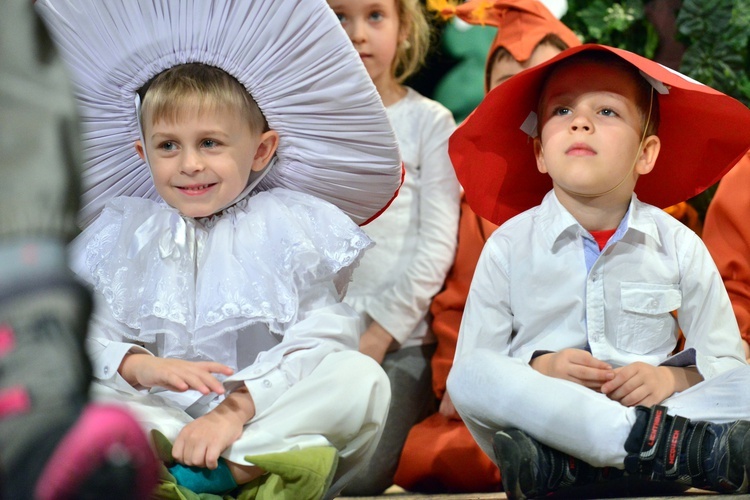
[416, 31]
[170, 93]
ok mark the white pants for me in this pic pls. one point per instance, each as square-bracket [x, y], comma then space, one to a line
[493, 392]
[342, 403]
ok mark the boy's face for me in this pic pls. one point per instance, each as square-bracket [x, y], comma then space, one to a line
[373, 27]
[591, 131]
[504, 65]
[202, 161]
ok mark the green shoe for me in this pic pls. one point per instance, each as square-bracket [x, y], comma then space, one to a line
[304, 474]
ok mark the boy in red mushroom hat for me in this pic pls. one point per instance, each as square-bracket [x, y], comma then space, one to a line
[563, 370]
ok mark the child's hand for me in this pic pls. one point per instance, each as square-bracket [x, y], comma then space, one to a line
[640, 384]
[447, 409]
[375, 342]
[201, 442]
[576, 365]
[144, 370]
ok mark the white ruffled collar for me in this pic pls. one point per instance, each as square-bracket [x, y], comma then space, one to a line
[190, 281]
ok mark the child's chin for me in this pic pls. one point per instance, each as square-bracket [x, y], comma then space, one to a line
[197, 214]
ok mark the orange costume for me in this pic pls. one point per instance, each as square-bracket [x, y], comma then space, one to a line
[727, 236]
[440, 455]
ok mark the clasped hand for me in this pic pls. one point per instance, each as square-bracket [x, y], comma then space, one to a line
[631, 385]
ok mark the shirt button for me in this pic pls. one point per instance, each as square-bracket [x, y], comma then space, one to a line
[106, 370]
[653, 303]
[267, 384]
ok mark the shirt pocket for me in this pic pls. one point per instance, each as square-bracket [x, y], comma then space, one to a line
[645, 321]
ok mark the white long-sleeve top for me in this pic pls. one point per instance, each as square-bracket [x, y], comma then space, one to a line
[257, 288]
[534, 291]
[416, 236]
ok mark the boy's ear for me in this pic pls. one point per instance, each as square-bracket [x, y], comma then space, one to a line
[139, 149]
[269, 141]
[649, 153]
[539, 155]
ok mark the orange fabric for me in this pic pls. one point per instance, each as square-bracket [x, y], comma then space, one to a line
[440, 456]
[521, 24]
[688, 215]
[726, 233]
[448, 306]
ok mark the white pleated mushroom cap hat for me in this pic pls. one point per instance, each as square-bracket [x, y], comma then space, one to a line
[291, 55]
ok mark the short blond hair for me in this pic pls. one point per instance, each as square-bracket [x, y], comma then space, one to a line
[190, 85]
[416, 31]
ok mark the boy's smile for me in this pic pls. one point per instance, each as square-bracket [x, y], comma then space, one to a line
[201, 161]
[195, 190]
[591, 132]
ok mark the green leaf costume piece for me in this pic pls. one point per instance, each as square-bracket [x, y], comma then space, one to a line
[291, 475]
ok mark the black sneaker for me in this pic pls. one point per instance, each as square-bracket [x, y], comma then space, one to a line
[705, 455]
[530, 469]
[726, 466]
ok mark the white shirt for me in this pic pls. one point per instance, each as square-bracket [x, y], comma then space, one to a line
[416, 236]
[531, 291]
[257, 288]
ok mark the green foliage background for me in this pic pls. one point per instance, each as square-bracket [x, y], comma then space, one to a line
[715, 34]
[619, 24]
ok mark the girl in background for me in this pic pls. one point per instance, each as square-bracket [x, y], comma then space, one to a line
[415, 237]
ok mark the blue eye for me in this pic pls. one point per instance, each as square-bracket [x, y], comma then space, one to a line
[608, 112]
[209, 143]
[167, 146]
[376, 16]
[341, 17]
[561, 111]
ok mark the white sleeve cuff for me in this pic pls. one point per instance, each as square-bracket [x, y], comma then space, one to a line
[265, 385]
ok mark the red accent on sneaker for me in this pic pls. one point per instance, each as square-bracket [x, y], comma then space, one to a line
[653, 434]
[672, 458]
[13, 401]
[7, 340]
[102, 434]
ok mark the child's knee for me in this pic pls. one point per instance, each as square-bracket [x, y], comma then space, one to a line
[481, 375]
[364, 376]
[464, 374]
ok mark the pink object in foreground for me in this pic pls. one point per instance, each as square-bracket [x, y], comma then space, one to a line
[102, 434]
